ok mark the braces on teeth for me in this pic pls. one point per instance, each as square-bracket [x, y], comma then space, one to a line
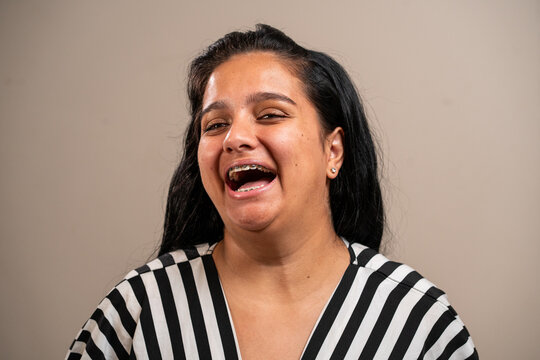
[234, 170]
[249, 189]
[236, 179]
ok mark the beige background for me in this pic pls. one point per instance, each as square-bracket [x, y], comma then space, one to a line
[92, 110]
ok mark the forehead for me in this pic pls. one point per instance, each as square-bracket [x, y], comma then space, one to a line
[252, 72]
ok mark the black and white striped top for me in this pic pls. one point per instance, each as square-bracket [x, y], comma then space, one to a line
[174, 308]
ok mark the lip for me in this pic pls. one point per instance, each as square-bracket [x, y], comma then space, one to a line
[251, 193]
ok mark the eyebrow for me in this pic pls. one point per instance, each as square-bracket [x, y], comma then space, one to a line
[262, 96]
[253, 98]
[216, 105]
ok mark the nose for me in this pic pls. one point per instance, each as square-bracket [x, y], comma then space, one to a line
[240, 137]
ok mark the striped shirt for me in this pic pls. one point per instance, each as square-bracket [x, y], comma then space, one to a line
[174, 308]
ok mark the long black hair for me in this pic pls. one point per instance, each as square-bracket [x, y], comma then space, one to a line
[355, 196]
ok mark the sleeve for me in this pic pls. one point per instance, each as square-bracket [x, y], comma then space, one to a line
[449, 338]
[108, 334]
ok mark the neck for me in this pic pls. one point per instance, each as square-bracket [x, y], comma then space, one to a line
[285, 265]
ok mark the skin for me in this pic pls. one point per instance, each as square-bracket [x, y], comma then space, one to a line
[280, 259]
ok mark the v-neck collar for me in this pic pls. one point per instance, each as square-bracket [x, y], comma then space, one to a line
[324, 321]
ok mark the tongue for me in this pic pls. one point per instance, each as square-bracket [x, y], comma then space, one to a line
[256, 183]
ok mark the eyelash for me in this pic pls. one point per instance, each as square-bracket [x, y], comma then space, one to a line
[214, 126]
[271, 116]
[268, 116]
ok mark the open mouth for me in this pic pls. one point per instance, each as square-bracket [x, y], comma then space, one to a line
[244, 178]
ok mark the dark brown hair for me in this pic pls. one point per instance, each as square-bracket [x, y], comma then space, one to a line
[355, 195]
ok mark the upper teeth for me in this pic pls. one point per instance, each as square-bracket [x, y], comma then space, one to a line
[236, 169]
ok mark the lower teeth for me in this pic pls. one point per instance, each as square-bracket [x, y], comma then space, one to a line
[249, 189]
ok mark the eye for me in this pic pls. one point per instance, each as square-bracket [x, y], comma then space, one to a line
[276, 114]
[214, 126]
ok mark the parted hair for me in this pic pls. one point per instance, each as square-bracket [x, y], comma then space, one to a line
[355, 196]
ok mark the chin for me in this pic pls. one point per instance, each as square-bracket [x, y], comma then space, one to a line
[251, 219]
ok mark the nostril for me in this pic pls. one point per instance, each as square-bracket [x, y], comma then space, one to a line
[231, 146]
[240, 136]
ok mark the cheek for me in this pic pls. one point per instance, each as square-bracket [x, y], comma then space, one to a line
[304, 148]
[207, 157]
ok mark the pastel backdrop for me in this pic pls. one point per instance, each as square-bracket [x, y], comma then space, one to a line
[92, 110]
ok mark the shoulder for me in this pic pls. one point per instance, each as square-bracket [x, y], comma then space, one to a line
[112, 329]
[410, 308]
[173, 258]
[173, 270]
[398, 274]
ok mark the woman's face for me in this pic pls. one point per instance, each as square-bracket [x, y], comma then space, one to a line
[263, 159]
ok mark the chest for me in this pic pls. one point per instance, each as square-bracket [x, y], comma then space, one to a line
[274, 332]
[365, 316]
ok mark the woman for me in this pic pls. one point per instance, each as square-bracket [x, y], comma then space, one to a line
[273, 220]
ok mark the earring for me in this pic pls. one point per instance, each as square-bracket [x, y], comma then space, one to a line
[333, 170]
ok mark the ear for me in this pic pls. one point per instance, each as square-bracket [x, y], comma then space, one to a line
[335, 152]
